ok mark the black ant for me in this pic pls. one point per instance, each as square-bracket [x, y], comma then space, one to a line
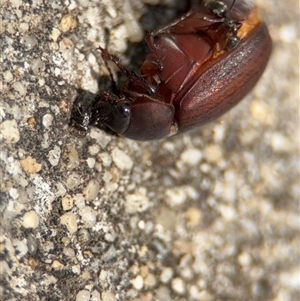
[220, 9]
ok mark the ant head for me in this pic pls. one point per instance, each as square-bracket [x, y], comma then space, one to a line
[108, 110]
[219, 8]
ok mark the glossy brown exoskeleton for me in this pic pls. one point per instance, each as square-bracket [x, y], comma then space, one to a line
[198, 68]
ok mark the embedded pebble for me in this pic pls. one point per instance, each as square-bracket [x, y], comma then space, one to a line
[13, 193]
[91, 190]
[30, 220]
[69, 252]
[54, 155]
[79, 200]
[219, 133]
[95, 296]
[194, 216]
[175, 196]
[191, 156]
[8, 76]
[88, 216]
[288, 33]
[100, 136]
[66, 47]
[37, 65]
[73, 181]
[20, 88]
[60, 190]
[105, 159]
[29, 42]
[20, 246]
[30, 165]
[91, 162]
[244, 259]
[67, 23]
[83, 235]
[178, 286]
[134, 29]
[137, 282]
[110, 236]
[67, 202]
[69, 220]
[70, 158]
[108, 296]
[122, 160]
[47, 120]
[136, 203]
[55, 34]
[83, 295]
[166, 275]
[57, 265]
[94, 149]
[213, 153]
[9, 131]
[280, 143]
[150, 280]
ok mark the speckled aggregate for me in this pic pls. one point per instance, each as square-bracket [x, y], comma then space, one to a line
[211, 215]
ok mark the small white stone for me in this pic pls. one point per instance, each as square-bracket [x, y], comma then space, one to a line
[136, 203]
[94, 149]
[20, 88]
[76, 269]
[175, 196]
[79, 200]
[69, 252]
[134, 29]
[55, 34]
[95, 296]
[122, 160]
[88, 216]
[108, 296]
[13, 193]
[69, 220]
[227, 212]
[288, 33]
[90, 192]
[150, 280]
[83, 295]
[105, 159]
[30, 220]
[9, 131]
[213, 153]
[54, 155]
[20, 247]
[100, 136]
[244, 259]
[47, 120]
[178, 286]
[191, 156]
[280, 143]
[8, 76]
[73, 181]
[166, 275]
[91, 162]
[138, 282]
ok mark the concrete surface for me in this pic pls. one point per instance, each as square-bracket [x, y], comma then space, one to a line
[209, 215]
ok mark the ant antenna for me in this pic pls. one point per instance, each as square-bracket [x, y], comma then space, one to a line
[231, 7]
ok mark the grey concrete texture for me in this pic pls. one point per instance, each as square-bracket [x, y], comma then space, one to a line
[209, 215]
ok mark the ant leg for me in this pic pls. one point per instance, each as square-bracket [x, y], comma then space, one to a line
[131, 75]
[152, 46]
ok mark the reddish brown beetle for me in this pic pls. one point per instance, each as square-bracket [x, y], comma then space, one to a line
[198, 68]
